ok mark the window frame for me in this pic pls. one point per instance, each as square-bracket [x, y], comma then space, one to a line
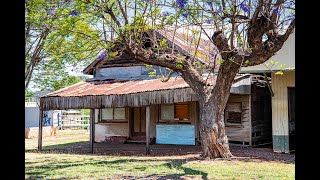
[174, 120]
[225, 114]
[125, 120]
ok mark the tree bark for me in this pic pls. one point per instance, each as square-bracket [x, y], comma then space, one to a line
[214, 140]
[214, 143]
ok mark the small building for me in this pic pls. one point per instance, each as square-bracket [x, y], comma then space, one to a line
[283, 94]
[129, 106]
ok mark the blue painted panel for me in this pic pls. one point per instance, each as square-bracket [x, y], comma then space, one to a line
[175, 134]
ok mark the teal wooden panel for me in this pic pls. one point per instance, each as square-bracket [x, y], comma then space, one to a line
[175, 134]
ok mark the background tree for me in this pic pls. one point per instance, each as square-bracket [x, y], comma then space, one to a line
[242, 32]
[56, 36]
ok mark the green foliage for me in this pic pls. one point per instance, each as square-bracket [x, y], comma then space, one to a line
[58, 38]
[29, 93]
[220, 61]
[179, 63]
[148, 66]
[163, 42]
[152, 73]
[54, 79]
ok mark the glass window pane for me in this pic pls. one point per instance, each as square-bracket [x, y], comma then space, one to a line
[120, 113]
[107, 114]
[167, 111]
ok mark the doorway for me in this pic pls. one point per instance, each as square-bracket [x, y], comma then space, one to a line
[139, 122]
[291, 113]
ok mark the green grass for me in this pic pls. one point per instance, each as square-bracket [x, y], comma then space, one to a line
[52, 165]
[65, 138]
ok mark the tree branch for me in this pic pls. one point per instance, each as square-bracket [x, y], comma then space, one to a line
[123, 13]
[189, 74]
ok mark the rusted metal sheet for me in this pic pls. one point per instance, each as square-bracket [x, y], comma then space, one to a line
[119, 93]
[186, 44]
[113, 87]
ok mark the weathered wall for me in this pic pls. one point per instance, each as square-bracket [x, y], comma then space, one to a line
[194, 115]
[109, 131]
[119, 71]
[106, 131]
[240, 132]
[126, 72]
[280, 84]
[153, 120]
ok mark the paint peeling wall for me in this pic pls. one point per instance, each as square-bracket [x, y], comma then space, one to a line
[280, 124]
[105, 131]
[110, 132]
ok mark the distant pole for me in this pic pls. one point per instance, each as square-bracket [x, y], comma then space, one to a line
[40, 130]
[58, 120]
[147, 130]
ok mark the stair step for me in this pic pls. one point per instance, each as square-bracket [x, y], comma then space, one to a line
[135, 141]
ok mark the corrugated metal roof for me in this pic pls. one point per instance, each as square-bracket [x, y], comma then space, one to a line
[118, 87]
[187, 43]
[113, 87]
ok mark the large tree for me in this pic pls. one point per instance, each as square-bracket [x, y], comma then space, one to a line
[244, 32]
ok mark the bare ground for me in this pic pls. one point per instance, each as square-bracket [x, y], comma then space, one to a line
[183, 151]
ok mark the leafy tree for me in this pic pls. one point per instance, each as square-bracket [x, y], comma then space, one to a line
[241, 32]
[29, 93]
[56, 36]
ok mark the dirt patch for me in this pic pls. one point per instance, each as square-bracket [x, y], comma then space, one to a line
[183, 151]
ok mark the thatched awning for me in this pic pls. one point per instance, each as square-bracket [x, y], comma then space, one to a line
[120, 93]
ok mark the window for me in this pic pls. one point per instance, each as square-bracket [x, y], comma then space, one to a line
[174, 112]
[113, 115]
[233, 112]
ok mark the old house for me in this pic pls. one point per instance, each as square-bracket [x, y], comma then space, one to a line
[129, 106]
[283, 94]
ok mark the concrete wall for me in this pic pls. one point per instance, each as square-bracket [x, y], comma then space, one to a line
[280, 123]
[106, 131]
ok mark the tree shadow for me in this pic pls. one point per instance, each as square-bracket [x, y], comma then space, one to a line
[178, 164]
[64, 147]
[43, 170]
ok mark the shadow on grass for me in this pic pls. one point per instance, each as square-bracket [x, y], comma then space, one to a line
[61, 147]
[53, 167]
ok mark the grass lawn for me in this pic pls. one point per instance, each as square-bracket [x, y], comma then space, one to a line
[52, 165]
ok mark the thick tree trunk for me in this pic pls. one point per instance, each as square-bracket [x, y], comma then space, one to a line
[214, 140]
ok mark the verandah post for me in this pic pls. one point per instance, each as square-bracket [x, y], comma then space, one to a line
[147, 130]
[92, 124]
[40, 130]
